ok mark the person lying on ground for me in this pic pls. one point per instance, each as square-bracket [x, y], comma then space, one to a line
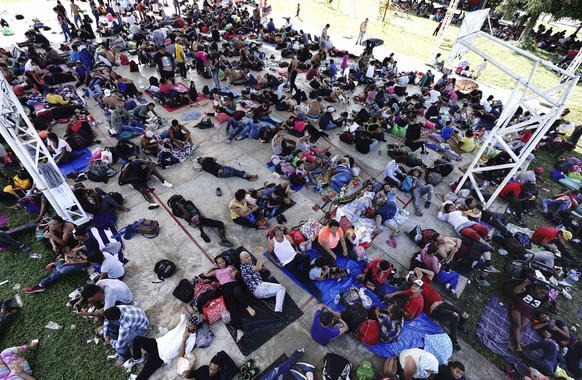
[96, 201]
[210, 165]
[138, 173]
[221, 367]
[15, 366]
[251, 275]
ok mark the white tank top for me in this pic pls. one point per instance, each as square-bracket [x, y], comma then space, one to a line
[284, 251]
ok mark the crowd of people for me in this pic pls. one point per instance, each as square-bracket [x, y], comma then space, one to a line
[219, 43]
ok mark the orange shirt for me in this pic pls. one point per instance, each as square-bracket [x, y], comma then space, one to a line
[332, 239]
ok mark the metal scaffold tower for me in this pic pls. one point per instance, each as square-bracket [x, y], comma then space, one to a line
[20, 135]
[443, 29]
[525, 95]
[575, 62]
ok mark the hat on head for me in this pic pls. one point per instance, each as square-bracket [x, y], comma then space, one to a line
[107, 92]
[330, 109]
[149, 134]
[567, 234]
[418, 283]
[539, 170]
[411, 273]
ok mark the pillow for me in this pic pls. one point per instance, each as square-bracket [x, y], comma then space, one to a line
[222, 117]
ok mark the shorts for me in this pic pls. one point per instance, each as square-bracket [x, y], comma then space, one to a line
[524, 310]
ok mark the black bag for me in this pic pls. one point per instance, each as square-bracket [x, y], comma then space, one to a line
[443, 169]
[117, 197]
[167, 160]
[133, 68]
[184, 291]
[336, 367]
[192, 92]
[564, 166]
[514, 248]
[164, 269]
[205, 123]
[413, 161]
[354, 316]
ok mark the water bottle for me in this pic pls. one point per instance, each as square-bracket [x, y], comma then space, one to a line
[141, 84]
[18, 300]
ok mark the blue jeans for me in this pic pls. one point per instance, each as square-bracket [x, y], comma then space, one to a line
[66, 31]
[548, 362]
[330, 126]
[451, 278]
[61, 270]
[79, 19]
[232, 123]
[123, 351]
[129, 128]
[229, 171]
[269, 119]
[284, 369]
[94, 91]
[561, 205]
[248, 129]
[373, 145]
[215, 79]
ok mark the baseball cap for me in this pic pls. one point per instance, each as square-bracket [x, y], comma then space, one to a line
[567, 234]
[418, 283]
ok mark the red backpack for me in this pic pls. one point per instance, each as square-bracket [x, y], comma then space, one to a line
[369, 332]
[123, 59]
[133, 68]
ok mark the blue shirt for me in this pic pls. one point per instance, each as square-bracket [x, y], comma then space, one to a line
[333, 69]
[251, 279]
[447, 132]
[74, 56]
[271, 27]
[320, 334]
[132, 319]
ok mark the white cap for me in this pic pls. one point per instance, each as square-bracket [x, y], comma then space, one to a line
[107, 92]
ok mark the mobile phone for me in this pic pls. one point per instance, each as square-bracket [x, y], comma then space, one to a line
[551, 322]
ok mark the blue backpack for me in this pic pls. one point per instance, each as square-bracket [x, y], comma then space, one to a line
[406, 184]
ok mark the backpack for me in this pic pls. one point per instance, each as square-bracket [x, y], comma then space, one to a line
[123, 59]
[336, 367]
[564, 165]
[369, 332]
[514, 248]
[133, 68]
[365, 371]
[167, 160]
[204, 291]
[98, 171]
[406, 184]
[164, 269]
[205, 123]
[434, 178]
[347, 137]
[184, 291]
[173, 203]
[148, 228]
[192, 92]
[523, 239]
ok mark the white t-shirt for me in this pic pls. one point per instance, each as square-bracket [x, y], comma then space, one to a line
[115, 290]
[62, 144]
[112, 266]
[485, 104]
[434, 96]
[284, 251]
[169, 344]
[315, 272]
[403, 80]
[370, 71]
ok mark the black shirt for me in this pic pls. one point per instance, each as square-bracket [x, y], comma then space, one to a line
[165, 61]
[445, 373]
[363, 144]
[211, 166]
[413, 132]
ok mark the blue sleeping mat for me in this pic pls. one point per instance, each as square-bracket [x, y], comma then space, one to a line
[412, 332]
[78, 165]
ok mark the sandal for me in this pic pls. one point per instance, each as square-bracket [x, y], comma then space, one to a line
[391, 242]
[239, 335]
[247, 366]
[218, 192]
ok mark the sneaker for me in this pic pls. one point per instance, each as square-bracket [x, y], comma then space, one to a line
[566, 294]
[114, 356]
[34, 289]
[227, 141]
[297, 375]
[131, 362]
[153, 206]
[305, 367]
[483, 281]
[491, 269]
[167, 184]
[51, 266]
[418, 213]
[427, 204]
[309, 375]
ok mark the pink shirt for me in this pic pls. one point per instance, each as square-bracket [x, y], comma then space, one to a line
[223, 275]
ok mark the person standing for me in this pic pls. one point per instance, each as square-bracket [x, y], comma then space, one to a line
[298, 10]
[181, 58]
[480, 69]
[323, 36]
[76, 13]
[363, 28]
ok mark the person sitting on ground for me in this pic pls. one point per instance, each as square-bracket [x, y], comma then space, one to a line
[454, 370]
[320, 270]
[391, 320]
[62, 151]
[529, 299]
[179, 341]
[186, 209]
[243, 213]
[210, 165]
[234, 297]
[150, 144]
[323, 329]
[375, 276]
[180, 137]
[104, 294]
[393, 174]
[141, 112]
[138, 173]
[221, 367]
[122, 121]
[283, 253]
[331, 242]
[251, 275]
[96, 201]
[109, 265]
[547, 237]
[130, 321]
[315, 108]
[15, 367]
[22, 181]
[171, 91]
[59, 234]
[467, 143]
[412, 363]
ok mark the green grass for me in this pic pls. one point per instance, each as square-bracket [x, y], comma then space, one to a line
[62, 354]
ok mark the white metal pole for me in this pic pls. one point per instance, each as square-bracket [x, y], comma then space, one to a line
[443, 29]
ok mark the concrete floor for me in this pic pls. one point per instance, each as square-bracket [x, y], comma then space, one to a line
[183, 245]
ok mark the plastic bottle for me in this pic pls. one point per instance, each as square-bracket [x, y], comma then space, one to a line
[140, 83]
[18, 300]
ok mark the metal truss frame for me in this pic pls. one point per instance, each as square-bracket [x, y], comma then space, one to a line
[522, 95]
[447, 19]
[20, 135]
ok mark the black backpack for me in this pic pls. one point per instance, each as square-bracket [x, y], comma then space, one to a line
[336, 367]
[205, 123]
[164, 269]
[133, 68]
[173, 203]
[167, 160]
[184, 291]
[192, 92]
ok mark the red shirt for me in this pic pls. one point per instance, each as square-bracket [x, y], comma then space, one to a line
[513, 188]
[544, 233]
[415, 305]
[374, 271]
[429, 295]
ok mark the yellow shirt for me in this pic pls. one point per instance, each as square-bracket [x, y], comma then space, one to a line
[56, 99]
[467, 144]
[180, 57]
[234, 205]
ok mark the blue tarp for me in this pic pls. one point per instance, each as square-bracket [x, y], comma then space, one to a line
[78, 165]
[412, 333]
